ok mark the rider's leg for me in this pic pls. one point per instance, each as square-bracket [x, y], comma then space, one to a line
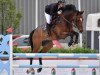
[48, 25]
[48, 18]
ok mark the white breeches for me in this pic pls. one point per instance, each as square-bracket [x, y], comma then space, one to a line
[48, 18]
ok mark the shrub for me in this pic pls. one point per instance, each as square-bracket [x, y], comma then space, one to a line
[19, 50]
[76, 50]
[56, 50]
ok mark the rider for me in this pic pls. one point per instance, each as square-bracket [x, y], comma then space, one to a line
[52, 10]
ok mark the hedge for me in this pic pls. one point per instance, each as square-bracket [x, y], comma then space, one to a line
[56, 50]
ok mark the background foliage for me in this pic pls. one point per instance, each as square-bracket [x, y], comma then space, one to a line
[57, 50]
[9, 15]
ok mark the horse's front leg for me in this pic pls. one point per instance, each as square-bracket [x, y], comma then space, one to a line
[36, 47]
[76, 38]
[71, 39]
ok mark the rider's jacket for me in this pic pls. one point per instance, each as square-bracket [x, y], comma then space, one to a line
[52, 9]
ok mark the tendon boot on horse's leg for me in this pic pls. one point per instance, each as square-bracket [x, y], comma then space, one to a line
[71, 40]
[76, 39]
[30, 70]
[70, 43]
[40, 62]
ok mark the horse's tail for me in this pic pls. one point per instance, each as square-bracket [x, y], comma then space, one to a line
[30, 39]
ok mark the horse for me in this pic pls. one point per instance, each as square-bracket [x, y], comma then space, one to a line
[77, 23]
[60, 30]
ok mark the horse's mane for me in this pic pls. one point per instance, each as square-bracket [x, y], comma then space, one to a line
[70, 7]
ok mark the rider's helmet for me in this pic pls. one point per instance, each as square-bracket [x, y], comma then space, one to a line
[61, 3]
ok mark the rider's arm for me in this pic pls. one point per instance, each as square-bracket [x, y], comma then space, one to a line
[60, 10]
[53, 10]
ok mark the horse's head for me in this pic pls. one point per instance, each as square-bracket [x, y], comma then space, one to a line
[78, 20]
[77, 16]
[69, 17]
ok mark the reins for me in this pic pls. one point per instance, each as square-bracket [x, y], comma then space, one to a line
[69, 22]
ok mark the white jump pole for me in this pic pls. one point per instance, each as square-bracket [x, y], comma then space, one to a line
[11, 56]
[79, 5]
[80, 35]
[92, 39]
[99, 41]
[99, 52]
[36, 14]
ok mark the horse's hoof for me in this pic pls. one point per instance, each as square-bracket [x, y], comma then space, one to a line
[76, 45]
[27, 71]
[76, 42]
[30, 70]
[39, 70]
[69, 44]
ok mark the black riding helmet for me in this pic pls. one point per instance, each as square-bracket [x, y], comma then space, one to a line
[60, 1]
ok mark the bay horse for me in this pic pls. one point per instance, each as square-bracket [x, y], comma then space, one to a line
[77, 23]
[60, 30]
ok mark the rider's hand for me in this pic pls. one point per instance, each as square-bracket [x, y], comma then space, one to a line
[59, 12]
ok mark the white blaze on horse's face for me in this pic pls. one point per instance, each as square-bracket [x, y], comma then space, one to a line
[81, 19]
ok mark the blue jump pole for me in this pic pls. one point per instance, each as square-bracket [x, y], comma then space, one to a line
[55, 66]
[54, 55]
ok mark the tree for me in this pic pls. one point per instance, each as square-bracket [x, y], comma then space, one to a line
[9, 15]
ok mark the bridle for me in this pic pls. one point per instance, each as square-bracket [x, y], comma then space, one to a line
[71, 23]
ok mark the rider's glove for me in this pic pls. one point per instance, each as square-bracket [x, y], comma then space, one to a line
[59, 12]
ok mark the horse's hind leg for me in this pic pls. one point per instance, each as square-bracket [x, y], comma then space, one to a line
[30, 70]
[35, 50]
[40, 63]
[44, 50]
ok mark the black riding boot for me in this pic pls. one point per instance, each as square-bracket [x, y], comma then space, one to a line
[48, 28]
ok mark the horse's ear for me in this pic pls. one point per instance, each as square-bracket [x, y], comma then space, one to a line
[81, 12]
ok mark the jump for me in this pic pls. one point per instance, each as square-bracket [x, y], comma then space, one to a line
[62, 27]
